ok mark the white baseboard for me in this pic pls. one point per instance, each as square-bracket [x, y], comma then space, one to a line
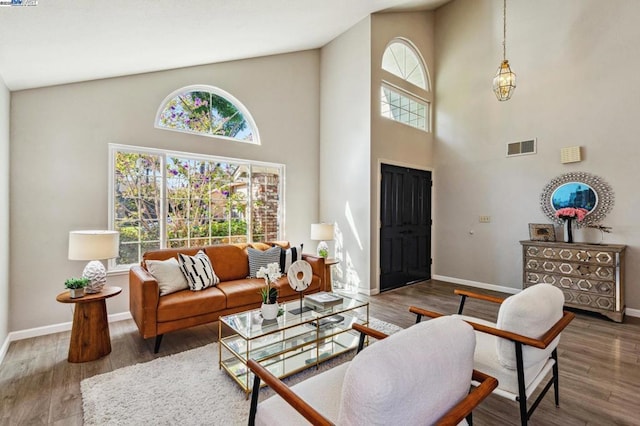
[57, 328]
[477, 284]
[632, 312]
[4, 348]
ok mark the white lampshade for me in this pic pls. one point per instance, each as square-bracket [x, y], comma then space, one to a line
[93, 245]
[321, 231]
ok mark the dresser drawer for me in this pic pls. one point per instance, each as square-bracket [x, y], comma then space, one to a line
[599, 257]
[582, 299]
[571, 269]
[602, 288]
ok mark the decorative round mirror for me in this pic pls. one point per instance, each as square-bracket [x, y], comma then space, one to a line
[579, 190]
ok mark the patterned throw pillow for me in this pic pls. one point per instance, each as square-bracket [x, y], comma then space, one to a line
[259, 258]
[198, 271]
[288, 256]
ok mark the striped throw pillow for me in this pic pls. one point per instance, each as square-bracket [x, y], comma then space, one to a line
[259, 258]
[288, 256]
[198, 271]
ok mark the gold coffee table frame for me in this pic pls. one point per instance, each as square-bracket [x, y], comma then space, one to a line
[290, 343]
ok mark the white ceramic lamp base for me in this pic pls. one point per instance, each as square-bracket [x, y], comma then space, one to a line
[323, 249]
[97, 275]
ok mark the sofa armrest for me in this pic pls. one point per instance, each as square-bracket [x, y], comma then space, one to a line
[144, 295]
[318, 268]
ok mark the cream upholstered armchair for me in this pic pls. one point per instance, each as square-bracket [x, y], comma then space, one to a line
[418, 376]
[520, 349]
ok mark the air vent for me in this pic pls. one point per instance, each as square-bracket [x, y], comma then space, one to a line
[521, 148]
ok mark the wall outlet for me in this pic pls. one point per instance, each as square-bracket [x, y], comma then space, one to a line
[485, 219]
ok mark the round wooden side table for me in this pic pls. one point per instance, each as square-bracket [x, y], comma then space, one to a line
[90, 338]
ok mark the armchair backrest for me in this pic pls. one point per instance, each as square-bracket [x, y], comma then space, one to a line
[531, 313]
[412, 377]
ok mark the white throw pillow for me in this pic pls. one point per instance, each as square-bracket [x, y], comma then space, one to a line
[168, 274]
[198, 270]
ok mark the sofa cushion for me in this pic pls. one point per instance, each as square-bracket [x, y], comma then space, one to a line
[259, 259]
[168, 274]
[198, 271]
[242, 292]
[285, 290]
[187, 304]
[230, 261]
[275, 411]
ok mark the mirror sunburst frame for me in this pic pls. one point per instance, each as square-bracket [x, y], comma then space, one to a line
[604, 197]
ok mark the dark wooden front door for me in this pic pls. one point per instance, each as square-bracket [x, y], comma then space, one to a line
[405, 228]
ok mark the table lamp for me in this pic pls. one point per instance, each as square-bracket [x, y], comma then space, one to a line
[322, 232]
[94, 246]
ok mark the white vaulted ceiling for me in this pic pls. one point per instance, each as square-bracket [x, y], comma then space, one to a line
[63, 41]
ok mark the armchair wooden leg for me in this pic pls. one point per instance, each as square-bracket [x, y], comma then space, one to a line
[157, 345]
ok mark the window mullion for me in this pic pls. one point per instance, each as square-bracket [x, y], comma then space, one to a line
[164, 202]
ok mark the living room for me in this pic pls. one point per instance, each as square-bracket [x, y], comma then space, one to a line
[316, 111]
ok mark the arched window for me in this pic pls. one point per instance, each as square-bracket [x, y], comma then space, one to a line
[401, 59]
[399, 101]
[207, 111]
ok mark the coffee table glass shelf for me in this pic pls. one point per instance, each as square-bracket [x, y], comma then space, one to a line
[290, 343]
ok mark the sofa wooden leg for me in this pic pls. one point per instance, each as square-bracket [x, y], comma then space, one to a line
[158, 341]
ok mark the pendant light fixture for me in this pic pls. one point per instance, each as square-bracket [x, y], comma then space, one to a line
[504, 83]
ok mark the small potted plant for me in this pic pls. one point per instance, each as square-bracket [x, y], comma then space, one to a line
[76, 286]
[269, 293]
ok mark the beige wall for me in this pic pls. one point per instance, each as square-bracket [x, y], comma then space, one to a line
[59, 160]
[577, 63]
[393, 142]
[345, 150]
[4, 212]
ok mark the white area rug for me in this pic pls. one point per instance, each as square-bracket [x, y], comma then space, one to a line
[187, 389]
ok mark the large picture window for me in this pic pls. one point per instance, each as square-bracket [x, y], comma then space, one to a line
[168, 199]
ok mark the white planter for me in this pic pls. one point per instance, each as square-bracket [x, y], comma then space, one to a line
[269, 311]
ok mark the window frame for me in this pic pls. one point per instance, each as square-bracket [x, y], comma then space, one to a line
[162, 216]
[406, 88]
[216, 91]
[411, 96]
[421, 62]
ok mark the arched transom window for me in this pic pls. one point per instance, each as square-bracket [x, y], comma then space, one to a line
[401, 59]
[207, 111]
[405, 103]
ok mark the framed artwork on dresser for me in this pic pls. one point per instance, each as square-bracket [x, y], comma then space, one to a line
[542, 232]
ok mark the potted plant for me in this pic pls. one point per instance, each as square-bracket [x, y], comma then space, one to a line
[269, 293]
[76, 286]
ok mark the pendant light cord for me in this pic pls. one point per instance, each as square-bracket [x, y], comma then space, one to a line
[504, 30]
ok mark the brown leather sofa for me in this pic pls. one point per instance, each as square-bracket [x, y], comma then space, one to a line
[156, 315]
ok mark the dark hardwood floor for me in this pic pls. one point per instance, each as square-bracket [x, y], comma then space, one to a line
[599, 365]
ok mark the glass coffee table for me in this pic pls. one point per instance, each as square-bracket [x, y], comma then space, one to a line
[291, 342]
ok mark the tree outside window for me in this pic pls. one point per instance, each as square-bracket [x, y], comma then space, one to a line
[163, 200]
